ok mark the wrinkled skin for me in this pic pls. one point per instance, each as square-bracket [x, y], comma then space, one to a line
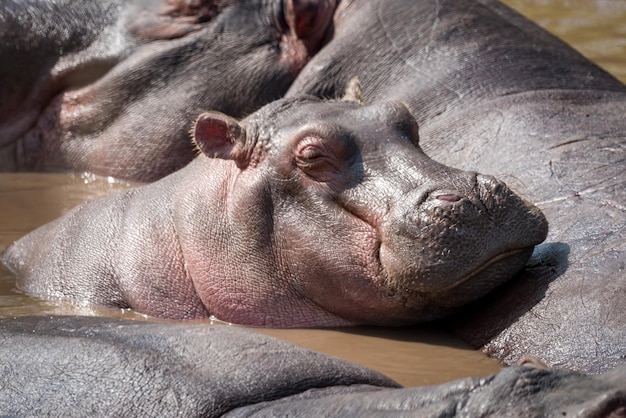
[515, 392]
[125, 368]
[131, 368]
[492, 92]
[112, 86]
[545, 118]
[307, 213]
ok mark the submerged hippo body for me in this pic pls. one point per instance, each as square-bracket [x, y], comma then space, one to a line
[111, 86]
[312, 214]
[493, 92]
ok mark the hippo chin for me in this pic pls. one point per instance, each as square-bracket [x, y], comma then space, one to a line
[306, 213]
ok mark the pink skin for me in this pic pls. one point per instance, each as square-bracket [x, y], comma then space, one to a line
[303, 291]
[307, 213]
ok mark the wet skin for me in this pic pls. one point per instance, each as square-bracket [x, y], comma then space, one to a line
[306, 213]
[248, 374]
[492, 92]
[165, 367]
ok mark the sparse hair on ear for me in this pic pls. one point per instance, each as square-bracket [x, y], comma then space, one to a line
[218, 135]
[353, 92]
[192, 135]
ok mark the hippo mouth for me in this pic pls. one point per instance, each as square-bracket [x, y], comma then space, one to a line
[84, 94]
[37, 119]
[78, 119]
[487, 270]
[477, 284]
[452, 293]
[99, 64]
[436, 303]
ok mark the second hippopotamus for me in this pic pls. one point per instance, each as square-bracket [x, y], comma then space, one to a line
[306, 213]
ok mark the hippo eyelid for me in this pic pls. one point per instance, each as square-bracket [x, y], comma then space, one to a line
[313, 153]
[327, 157]
[308, 140]
[310, 151]
[334, 141]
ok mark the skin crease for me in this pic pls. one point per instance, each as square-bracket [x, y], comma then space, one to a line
[230, 227]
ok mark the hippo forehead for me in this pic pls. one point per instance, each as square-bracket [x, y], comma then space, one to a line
[280, 119]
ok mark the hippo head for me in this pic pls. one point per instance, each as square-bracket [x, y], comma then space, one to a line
[340, 207]
[124, 65]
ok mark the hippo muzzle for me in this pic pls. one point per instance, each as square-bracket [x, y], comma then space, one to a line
[443, 248]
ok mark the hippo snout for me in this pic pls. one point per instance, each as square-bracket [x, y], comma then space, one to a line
[453, 245]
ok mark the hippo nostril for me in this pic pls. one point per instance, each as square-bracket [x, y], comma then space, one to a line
[447, 197]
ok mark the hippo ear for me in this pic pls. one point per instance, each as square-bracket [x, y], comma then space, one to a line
[353, 92]
[219, 136]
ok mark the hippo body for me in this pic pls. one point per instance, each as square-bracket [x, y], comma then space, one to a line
[130, 368]
[307, 213]
[111, 87]
[493, 92]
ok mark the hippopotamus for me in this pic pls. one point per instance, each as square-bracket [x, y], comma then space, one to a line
[110, 86]
[493, 92]
[306, 213]
[132, 368]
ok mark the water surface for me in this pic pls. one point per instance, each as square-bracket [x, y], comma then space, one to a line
[596, 28]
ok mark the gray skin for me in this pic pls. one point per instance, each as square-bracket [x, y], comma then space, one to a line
[129, 368]
[307, 213]
[493, 92]
[516, 392]
[111, 86]
[105, 367]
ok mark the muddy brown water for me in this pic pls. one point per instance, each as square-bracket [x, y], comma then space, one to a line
[412, 356]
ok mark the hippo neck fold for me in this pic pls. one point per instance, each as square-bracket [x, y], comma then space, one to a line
[235, 272]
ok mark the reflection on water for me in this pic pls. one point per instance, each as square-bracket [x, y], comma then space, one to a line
[412, 356]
